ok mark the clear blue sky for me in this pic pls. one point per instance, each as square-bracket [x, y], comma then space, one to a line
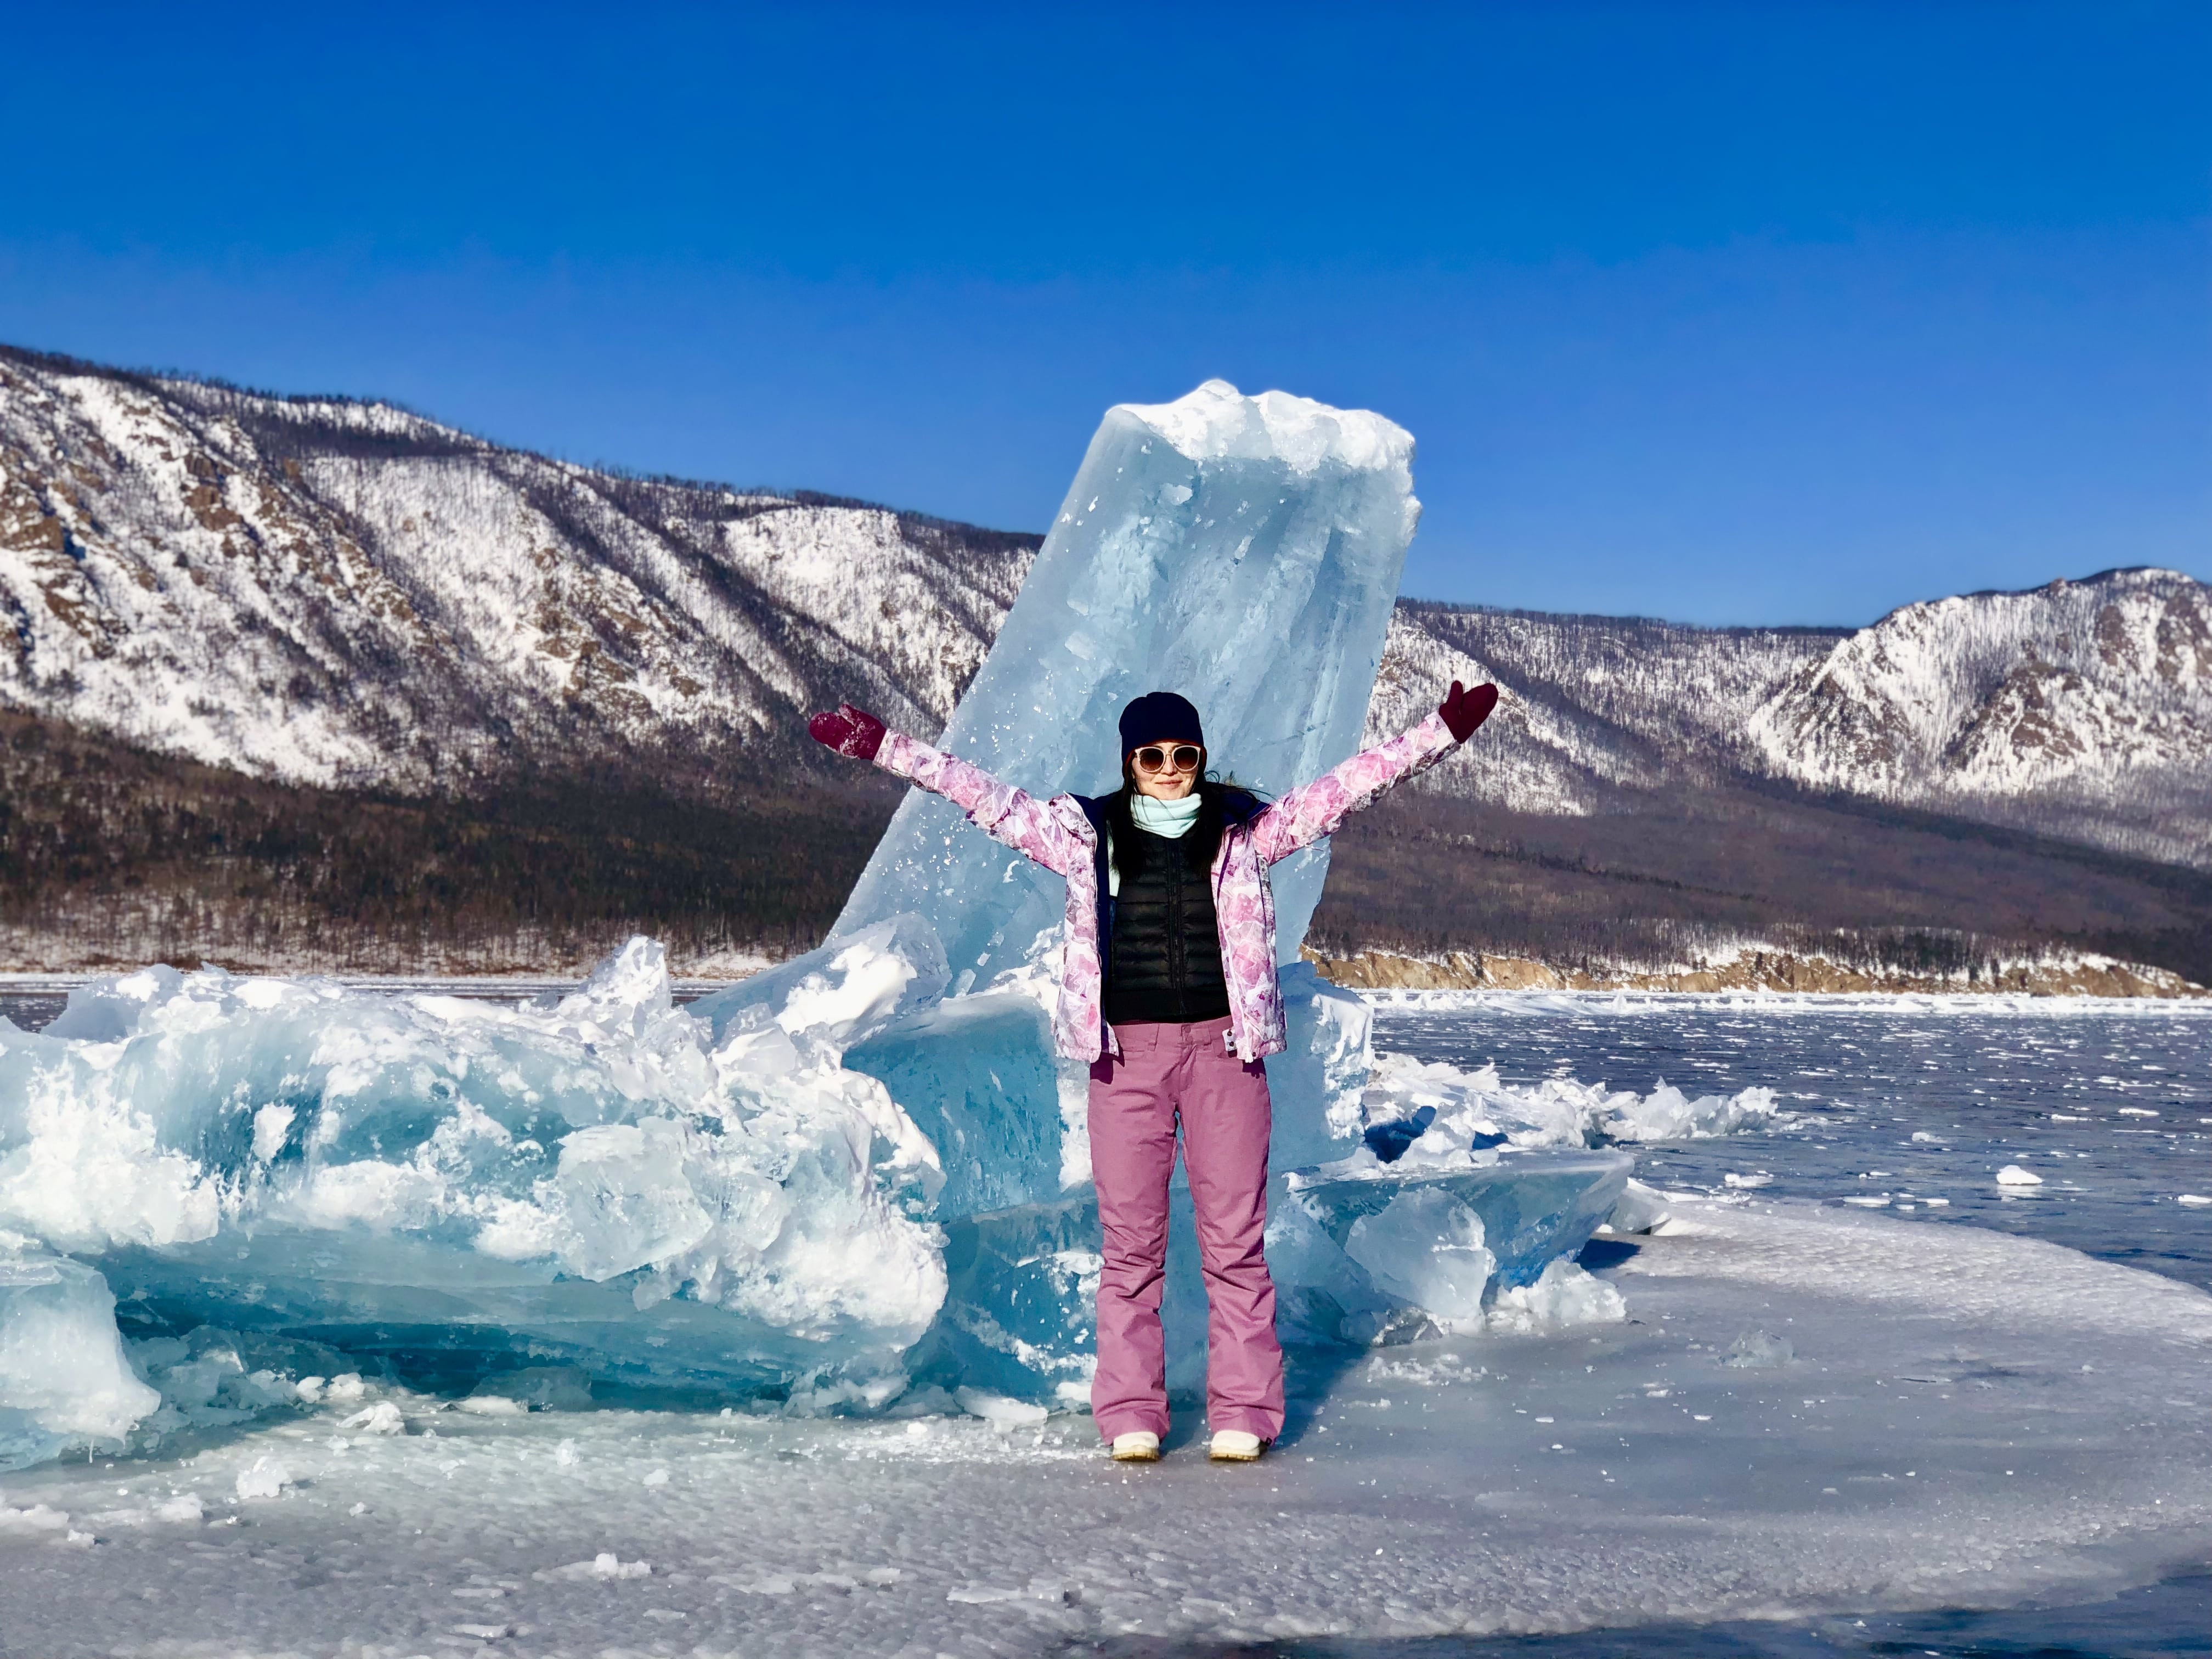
[1774, 313]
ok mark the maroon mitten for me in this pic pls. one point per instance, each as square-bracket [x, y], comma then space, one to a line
[1463, 710]
[851, 731]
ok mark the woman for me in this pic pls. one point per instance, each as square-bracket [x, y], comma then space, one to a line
[1168, 992]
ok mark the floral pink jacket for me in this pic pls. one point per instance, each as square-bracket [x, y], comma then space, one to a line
[1058, 834]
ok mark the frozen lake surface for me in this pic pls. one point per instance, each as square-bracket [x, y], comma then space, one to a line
[1911, 1105]
[1820, 1414]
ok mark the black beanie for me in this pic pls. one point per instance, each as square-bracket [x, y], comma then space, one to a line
[1160, 717]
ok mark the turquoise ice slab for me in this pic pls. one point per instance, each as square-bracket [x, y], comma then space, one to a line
[1536, 1206]
[452, 1317]
[1019, 1308]
[976, 1075]
[1020, 1286]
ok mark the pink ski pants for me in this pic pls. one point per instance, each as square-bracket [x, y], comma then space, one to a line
[1166, 1075]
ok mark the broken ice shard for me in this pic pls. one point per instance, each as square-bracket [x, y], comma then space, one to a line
[64, 1380]
[1534, 1205]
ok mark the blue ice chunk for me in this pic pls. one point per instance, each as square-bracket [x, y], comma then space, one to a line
[1535, 1206]
[1425, 1248]
[1243, 551]
[1018, 1318]
[978, 1076]
[461, 1186]
[1389, 1141]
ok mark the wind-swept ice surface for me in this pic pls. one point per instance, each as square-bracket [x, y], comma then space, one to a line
[1960, 1420]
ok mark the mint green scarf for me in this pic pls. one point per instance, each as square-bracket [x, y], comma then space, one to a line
[1169, 819]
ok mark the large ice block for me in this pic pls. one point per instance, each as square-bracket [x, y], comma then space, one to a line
[606, 1180]
[1243, 551]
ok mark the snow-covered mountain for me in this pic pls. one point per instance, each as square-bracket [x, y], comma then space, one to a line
[334, 592]
[2080, 709]
[1594, 708]
[2087, 701]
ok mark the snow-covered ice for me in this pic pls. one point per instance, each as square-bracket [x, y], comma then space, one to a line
[1931, 1438]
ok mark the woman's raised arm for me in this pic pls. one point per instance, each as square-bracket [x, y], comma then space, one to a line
[1304, 815]
[1001, 811]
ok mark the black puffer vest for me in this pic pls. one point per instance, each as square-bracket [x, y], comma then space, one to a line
[1162, 956]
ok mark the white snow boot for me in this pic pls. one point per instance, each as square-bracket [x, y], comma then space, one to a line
[1235, 1446]
[1138, 1446]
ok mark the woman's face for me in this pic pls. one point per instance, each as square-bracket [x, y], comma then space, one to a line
[1167, 780]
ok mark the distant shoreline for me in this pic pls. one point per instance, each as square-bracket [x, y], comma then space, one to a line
[1752, 970]
[1774, 972]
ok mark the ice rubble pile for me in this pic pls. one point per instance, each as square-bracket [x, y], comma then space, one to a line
[1463, 1113]
[859, 1174]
